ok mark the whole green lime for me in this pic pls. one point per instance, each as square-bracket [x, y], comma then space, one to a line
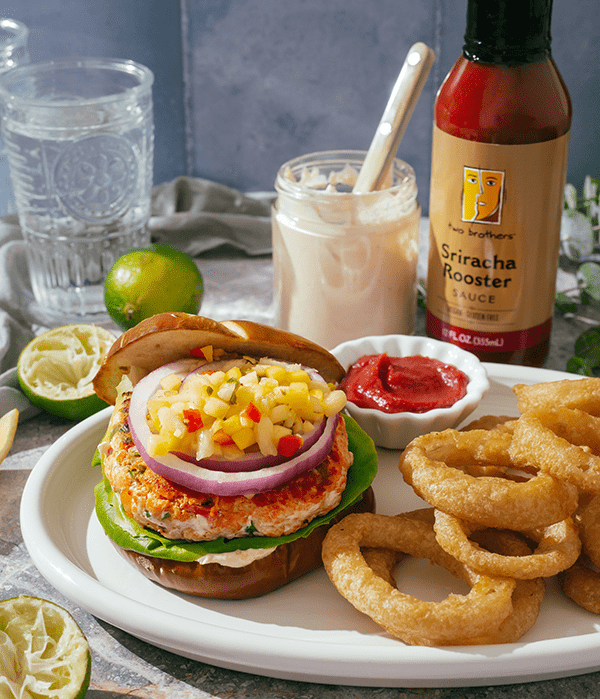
[147, 281]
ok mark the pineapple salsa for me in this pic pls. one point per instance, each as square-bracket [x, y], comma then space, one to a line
[231, 408]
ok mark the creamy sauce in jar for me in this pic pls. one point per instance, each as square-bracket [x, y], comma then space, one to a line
[345, 264]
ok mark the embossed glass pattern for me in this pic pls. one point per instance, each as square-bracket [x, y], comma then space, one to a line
[13, 52]
[79, 137]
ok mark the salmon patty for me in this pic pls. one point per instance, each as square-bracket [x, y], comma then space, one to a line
[179, 513]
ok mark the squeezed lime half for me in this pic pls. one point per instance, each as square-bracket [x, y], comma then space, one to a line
[43, 652]
[56, 369]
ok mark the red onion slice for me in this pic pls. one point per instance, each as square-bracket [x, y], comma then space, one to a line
[225, 483]
[148, 386]
[195, 475]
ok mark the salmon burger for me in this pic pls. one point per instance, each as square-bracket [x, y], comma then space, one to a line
[227, 456]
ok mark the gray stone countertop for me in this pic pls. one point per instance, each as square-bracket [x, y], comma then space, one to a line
[124, 665]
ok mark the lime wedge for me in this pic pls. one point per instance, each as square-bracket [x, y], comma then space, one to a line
[56, 369]
[8, 427]
[43, 652]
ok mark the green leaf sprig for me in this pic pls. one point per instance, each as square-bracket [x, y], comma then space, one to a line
[586, 359]
[587, 353]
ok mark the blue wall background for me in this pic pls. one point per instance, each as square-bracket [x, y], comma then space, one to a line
[241, 86]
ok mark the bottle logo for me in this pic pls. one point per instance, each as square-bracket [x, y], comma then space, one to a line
[483, 195]
[96, 177]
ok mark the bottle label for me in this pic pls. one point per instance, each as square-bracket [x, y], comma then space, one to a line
[495, 213]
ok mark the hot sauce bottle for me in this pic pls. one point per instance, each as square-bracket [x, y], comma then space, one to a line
[501, 129]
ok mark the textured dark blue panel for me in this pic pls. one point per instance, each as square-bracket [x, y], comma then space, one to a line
[256, 82]
[148, 31]
[272, 79]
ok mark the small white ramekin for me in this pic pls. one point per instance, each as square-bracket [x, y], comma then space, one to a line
[396, 430]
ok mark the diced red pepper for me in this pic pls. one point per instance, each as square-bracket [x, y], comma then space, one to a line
[193, 419]
[197, 352]
[252, 412]
[221, 437]
[288, 445]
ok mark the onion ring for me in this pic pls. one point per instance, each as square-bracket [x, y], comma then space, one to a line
[567, 393]
[589, 529]
[445, 469]
[382, 562]
[564, 442]
[558, 548]
[527, 596]
[581, 583]
[454, 621]
[502, 423]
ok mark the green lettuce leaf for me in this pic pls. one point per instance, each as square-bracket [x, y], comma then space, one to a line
[128, 534]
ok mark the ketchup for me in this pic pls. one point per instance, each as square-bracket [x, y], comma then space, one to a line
[502, 120]
[414, 384]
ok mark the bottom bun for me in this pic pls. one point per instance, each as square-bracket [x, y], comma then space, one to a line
[288, 562]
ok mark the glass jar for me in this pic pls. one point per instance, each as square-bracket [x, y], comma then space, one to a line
[345, 265]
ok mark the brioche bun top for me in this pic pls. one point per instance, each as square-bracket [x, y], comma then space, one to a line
[167, 337]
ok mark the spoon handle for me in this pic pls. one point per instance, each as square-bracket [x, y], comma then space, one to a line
[395, 118]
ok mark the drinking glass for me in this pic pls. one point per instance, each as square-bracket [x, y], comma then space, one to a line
[79, 137]
[13, 52]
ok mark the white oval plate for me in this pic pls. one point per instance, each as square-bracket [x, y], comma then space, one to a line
[305, 631]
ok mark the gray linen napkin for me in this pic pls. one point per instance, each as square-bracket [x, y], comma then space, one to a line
[197, 215]
[191, 214]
